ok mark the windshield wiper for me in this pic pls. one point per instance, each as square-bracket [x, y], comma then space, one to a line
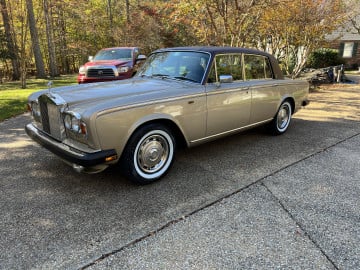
[160, 75]
[185, 79]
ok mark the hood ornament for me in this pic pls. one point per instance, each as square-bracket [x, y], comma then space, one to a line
[54, 97]
[49, 85]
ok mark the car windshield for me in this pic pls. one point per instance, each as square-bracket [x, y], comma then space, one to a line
[114, 54]
[182, 65]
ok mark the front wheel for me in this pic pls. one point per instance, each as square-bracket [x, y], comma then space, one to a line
[282, 119]
[149, 154]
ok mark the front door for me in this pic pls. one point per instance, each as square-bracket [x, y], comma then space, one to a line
[228, 103]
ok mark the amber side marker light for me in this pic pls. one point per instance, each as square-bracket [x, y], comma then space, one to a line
[111, 158]
[83, 128]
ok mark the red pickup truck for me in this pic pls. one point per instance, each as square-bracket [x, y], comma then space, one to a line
[109, 64]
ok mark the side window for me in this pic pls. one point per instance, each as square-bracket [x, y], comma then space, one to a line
[257, 67]
[229, 64]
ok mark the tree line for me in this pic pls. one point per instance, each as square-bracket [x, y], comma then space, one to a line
[53, 37]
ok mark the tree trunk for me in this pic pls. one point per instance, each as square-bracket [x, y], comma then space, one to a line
[60, 34]
[22, 52]
[39, 62]
[110, 14]
[111, 23]
[50, 42]
[127, 11]
[10, 42]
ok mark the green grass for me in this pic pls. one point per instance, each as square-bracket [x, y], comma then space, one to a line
[13, 99]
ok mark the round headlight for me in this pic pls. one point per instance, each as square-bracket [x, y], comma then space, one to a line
[75, 124]
[35, 110]
[67, 121]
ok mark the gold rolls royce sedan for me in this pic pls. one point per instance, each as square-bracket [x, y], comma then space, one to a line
[179, 97]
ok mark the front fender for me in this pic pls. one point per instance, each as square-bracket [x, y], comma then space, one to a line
[114, 128]
[156, 117]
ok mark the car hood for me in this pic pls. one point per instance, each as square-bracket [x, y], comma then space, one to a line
[106, 63]
[105, 95]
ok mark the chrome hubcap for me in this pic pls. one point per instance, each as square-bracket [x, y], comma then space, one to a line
[153, 153]
[283, 117]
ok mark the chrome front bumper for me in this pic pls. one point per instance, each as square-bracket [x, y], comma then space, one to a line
[81, 161]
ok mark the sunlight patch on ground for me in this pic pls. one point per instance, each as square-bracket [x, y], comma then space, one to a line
[16, 144]
[44, 222]
[338, 105]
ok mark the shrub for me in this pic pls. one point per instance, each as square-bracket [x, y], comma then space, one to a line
[324, 58]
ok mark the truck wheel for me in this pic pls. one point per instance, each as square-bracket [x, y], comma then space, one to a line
[282, 119]
[149, 154]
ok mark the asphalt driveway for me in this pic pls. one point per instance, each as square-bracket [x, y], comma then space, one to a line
[250, 201]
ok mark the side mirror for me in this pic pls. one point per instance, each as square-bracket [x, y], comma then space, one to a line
[226, 78]
[91, 58]
[140, 57]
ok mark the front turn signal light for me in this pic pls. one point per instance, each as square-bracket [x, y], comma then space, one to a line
[111, 158]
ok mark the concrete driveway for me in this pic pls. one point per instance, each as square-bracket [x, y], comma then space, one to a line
[250, 201]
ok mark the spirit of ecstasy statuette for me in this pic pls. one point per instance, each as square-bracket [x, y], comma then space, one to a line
[49, 84]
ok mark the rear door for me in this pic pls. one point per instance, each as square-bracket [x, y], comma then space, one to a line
[264, 89]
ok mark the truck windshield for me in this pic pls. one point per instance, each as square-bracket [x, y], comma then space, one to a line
[114, 54]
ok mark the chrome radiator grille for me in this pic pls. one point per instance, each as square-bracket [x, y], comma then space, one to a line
[104, 72]
[44, 116]
[51, 117]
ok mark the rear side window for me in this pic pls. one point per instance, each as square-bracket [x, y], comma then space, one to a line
[257, 67]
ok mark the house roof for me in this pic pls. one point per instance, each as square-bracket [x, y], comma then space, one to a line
[345, 33]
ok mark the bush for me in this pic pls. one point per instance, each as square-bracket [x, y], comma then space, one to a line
[322, 58]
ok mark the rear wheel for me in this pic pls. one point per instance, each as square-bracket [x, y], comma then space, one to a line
[149, 154]
[282, 119]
